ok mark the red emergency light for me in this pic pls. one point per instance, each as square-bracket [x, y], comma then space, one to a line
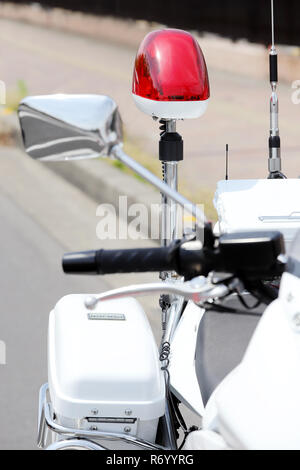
[170, 78]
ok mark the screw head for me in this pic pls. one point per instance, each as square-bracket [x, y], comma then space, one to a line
[127, 429]
[94, 412]
[128, 412]
[93, 428]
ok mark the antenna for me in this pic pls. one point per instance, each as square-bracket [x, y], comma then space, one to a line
[273, 54]
[272, 22]
[274, 139]
[226, 157]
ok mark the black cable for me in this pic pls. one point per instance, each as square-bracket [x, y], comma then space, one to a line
[179, 420]
[260, 290]
[164, 358]
[177, 414]
[191, 429]
[244, 303]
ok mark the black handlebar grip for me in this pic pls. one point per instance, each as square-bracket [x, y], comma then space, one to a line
[120, 261]
[135, 260]
[82, 262]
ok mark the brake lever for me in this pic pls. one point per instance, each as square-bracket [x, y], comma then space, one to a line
[199, 290]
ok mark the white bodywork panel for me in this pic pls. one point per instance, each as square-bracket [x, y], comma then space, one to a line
[183, 379]
[250, 205]
[258, 403]
[105, 360]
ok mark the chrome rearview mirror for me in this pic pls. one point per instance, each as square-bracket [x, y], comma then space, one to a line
[69, 127]
[73, 127]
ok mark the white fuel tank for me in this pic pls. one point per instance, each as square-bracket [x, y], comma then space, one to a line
[104, 368]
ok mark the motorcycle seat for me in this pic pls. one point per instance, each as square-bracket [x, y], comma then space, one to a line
[222, 341]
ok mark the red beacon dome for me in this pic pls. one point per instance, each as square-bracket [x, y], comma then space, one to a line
[170, 78]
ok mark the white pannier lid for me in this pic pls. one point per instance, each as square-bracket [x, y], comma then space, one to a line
[104, 359]
[244, 205]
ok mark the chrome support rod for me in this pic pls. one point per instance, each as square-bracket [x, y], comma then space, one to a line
[42, 425]
[169, 233]
[169, 224]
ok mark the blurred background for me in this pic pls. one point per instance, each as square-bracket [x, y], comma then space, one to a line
[77, 47]
[89, 47]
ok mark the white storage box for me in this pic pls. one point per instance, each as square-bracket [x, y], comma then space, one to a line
[250, 205]
[104, 369]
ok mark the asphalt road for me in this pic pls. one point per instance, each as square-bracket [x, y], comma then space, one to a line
[42, 216]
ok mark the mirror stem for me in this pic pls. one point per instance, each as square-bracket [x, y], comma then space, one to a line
[189, 206]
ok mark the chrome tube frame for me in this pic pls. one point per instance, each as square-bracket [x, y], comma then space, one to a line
[75, 444]
[82, 438]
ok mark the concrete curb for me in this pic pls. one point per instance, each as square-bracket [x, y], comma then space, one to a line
[105, 183]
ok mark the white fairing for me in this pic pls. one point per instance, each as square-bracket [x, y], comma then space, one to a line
[183, 378]
[104, 364]
[258, 403]
[171, 109]
[250, 205]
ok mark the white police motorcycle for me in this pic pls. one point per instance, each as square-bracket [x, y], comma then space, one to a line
[109, 385]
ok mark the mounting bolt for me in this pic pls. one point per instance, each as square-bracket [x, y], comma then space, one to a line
[93, 428]
[127, 429]
[128, 412]
[94, 412]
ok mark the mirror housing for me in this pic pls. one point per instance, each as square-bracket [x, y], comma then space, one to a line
[69, 127]
[73, 127]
